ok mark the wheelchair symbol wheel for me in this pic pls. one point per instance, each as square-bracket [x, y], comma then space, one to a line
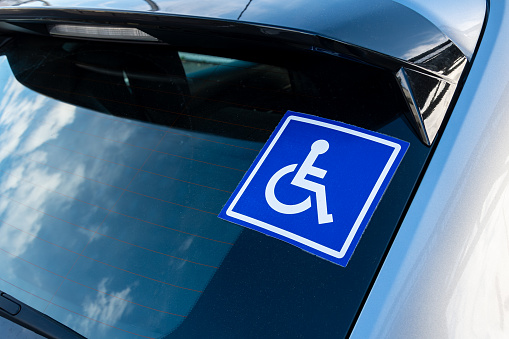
[299, 180]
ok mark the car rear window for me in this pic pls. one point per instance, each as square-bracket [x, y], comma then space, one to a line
[115, 160]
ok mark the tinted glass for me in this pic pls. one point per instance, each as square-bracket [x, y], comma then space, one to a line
[116, 159]
[13, 330]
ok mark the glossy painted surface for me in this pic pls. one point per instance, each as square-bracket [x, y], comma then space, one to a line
[447, 274]
[462, 24]
[103, 294]
[383, 32]
[375, 25]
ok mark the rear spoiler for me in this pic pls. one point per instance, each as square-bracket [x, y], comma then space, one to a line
[428, 81]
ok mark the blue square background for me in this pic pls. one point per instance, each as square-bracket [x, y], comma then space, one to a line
[353, 165]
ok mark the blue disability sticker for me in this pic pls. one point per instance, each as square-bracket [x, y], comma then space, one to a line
[315, 184]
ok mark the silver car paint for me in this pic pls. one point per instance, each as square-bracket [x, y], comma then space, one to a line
[403, 29]
[447, 273]
[462, 24]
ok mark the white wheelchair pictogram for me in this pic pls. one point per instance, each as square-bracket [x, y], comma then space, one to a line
[307, 168]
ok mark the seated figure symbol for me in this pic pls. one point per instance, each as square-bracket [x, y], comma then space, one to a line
[307, 168]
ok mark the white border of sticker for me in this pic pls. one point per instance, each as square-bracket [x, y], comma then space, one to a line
[360, 218]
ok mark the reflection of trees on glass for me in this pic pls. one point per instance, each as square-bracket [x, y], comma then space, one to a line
[248, 3]
[21, 2]
[153, 5]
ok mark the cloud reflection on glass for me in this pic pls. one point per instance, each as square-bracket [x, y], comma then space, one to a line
[104, 224]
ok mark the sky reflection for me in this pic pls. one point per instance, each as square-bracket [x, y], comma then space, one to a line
[110, 225]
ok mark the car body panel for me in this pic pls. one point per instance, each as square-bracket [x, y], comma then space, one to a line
[425, 286]
[374, 25]
[446, 273]
[462, 24]
[427, 62]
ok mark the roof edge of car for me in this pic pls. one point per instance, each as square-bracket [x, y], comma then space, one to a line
[436, 68]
